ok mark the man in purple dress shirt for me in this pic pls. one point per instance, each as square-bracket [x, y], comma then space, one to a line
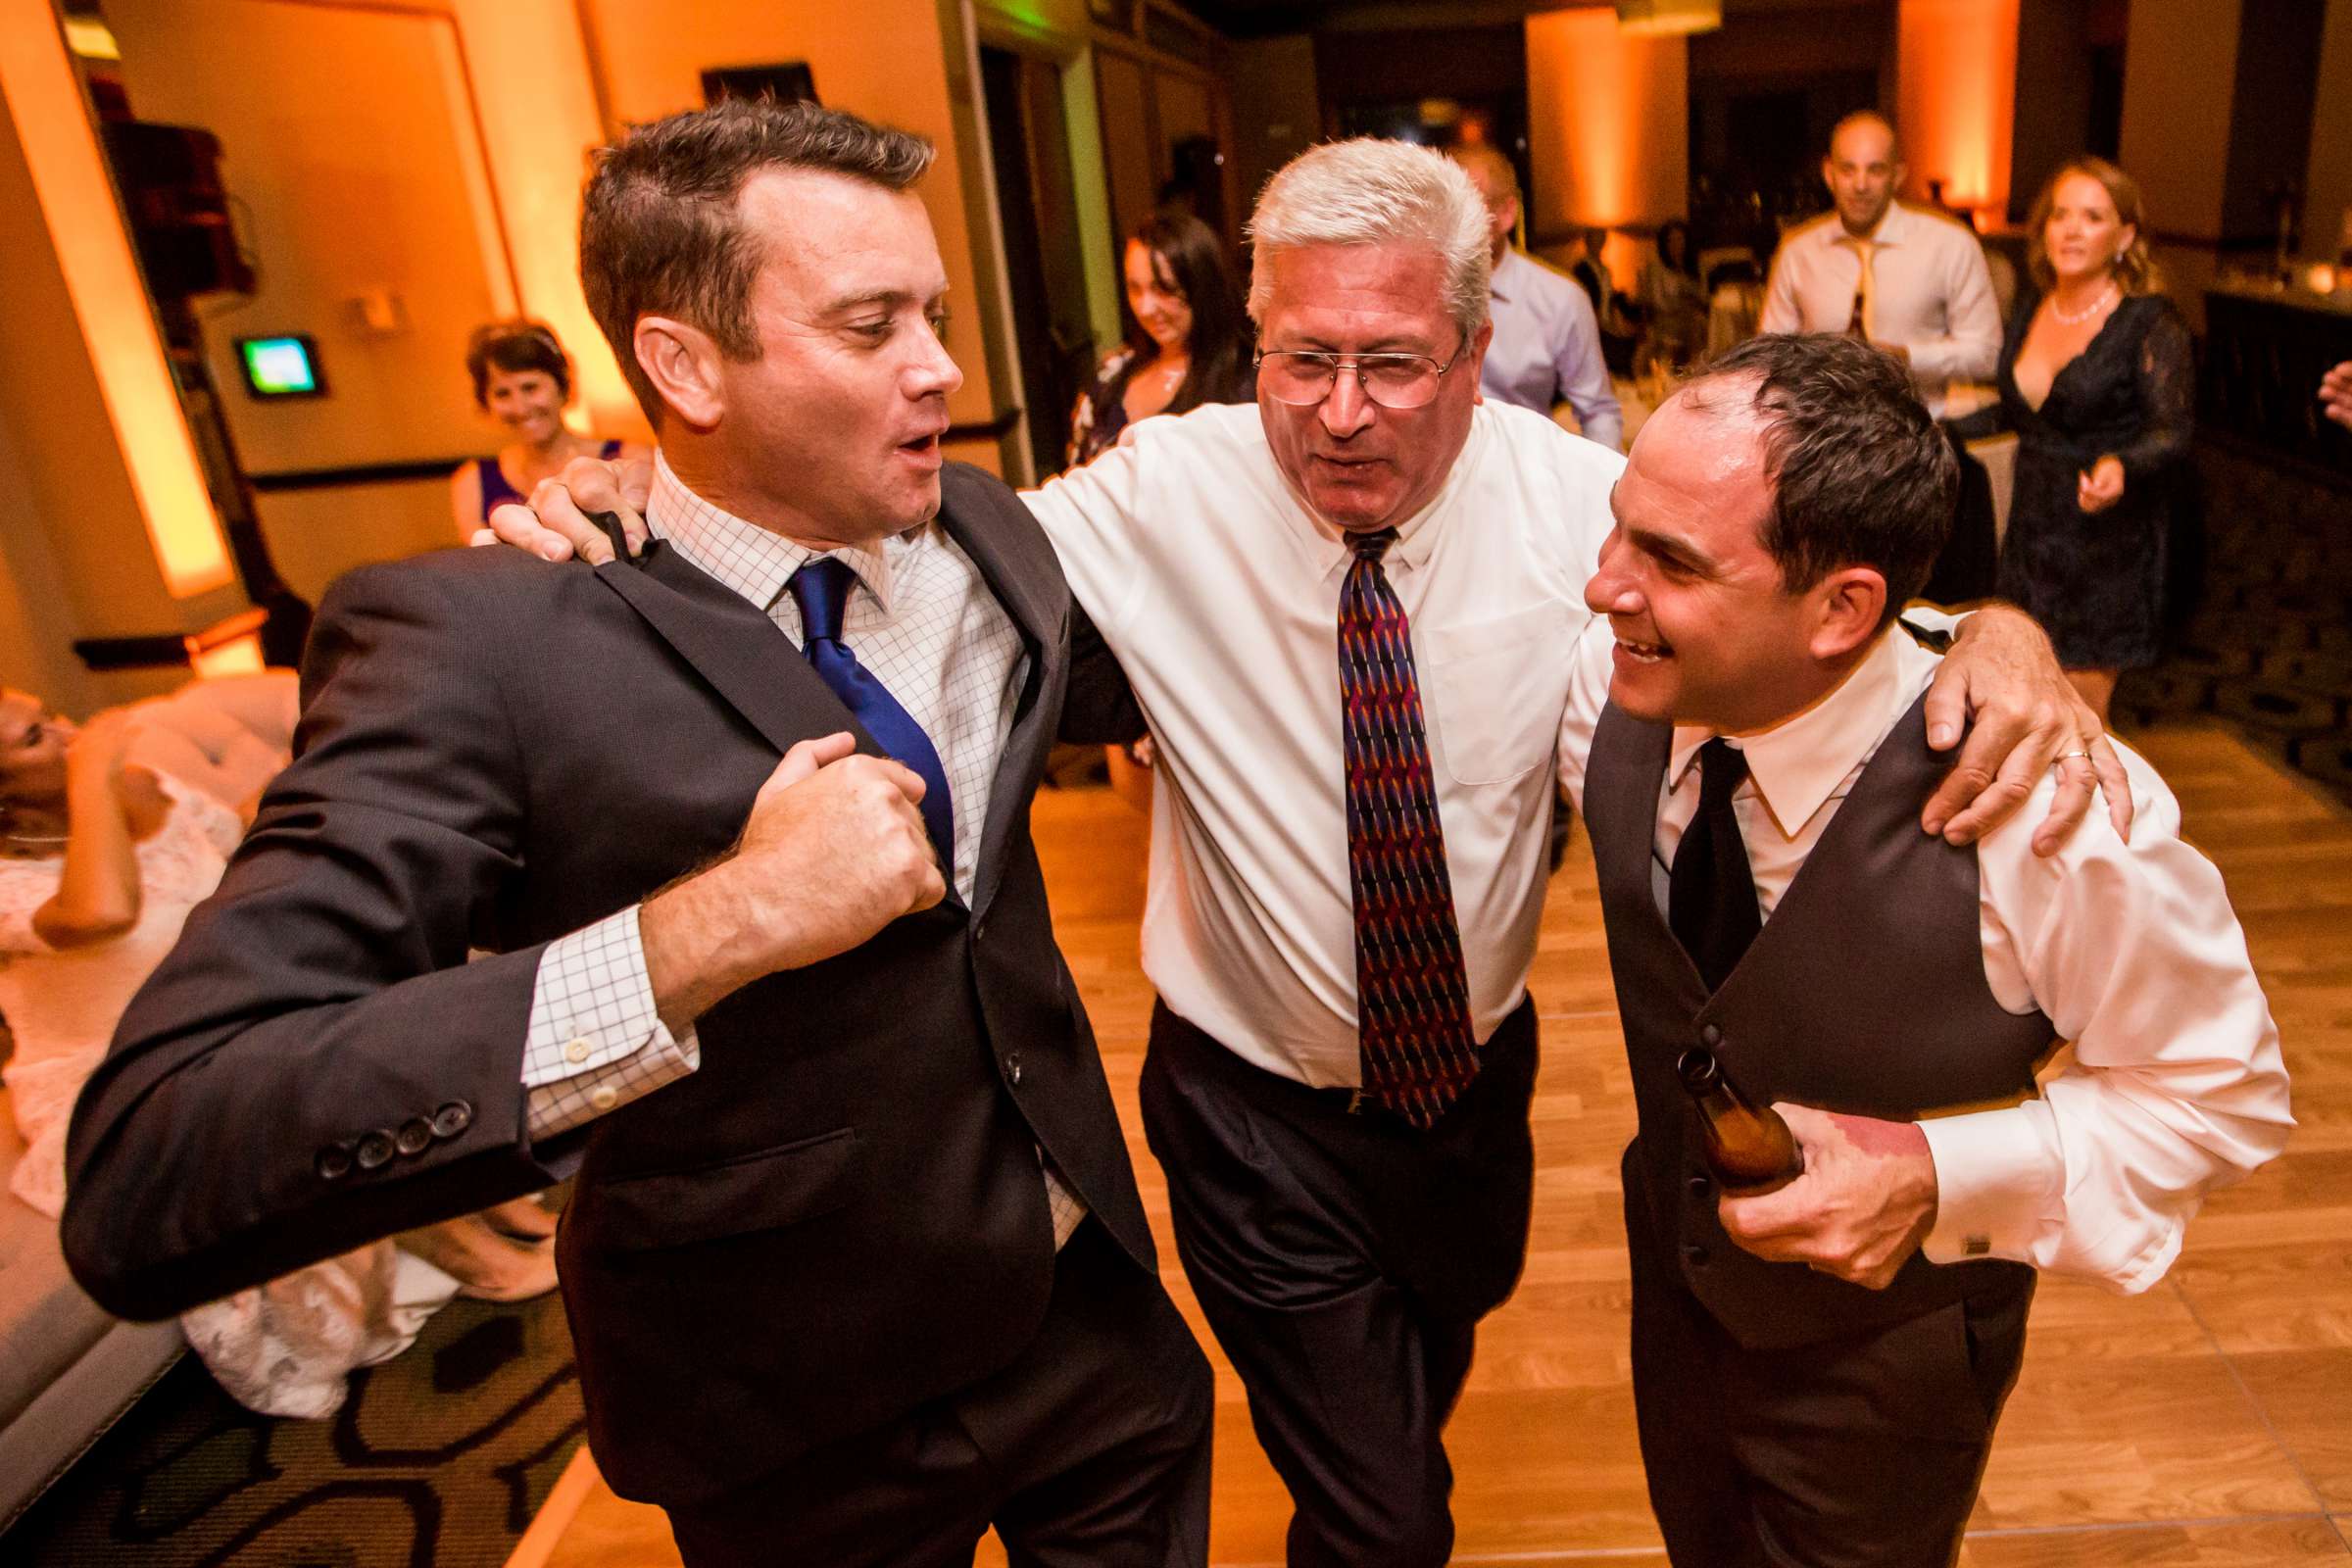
[1546, 343]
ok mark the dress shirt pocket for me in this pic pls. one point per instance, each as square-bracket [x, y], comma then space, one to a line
[1497, 689]
[763, 1191]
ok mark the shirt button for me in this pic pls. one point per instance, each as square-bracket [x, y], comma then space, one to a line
[1702, 1186]
[374, 1149]
[1012, 1069]
[333, 1163]
[1694, 1254]
[576, 1052]
[1710, 1036]
[452, 1119]
[415, 1136]
[603, 1097]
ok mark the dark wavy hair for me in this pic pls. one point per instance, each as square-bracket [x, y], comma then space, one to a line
[1188, 258]
[1861, 475]
[659, 233]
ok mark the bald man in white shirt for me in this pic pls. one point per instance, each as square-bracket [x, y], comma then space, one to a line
[1818, 1367]
[1911, 281]
[1344, 613]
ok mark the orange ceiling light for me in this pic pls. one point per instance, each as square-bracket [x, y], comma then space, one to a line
[1956, 94]
[110, 300]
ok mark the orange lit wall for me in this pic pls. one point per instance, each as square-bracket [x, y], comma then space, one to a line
[1608, 124]
[534, 91]
[110, 303]
[1956, 96]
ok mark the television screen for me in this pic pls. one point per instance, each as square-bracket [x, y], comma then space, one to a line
[285, 366]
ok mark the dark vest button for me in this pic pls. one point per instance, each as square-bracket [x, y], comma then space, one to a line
[374, 1149]
[1694, 1254]
[1702, 1185]
[333, 1163]
[452, 1119]
[415, 1135]
[1709, 1036]
[1012, 1069]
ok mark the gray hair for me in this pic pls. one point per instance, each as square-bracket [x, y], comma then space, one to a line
[1373, 192]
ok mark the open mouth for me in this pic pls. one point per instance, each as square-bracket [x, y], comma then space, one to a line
[924, 446]
[1641, 653]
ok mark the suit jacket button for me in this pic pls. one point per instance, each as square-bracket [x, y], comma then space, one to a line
[452, 1119]
[374, 1149]
[333, 1163]
[1012, 1069]
[415, 1136]
[1694, 1254]
[1710, 1036]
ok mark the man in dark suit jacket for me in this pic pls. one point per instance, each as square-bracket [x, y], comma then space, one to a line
[855, 1265]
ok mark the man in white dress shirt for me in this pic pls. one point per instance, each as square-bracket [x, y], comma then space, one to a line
[1818, 1366]
[1909, 279]
[1547, 344]
[1349, 1200]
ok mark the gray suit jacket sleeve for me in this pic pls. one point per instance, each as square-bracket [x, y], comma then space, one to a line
[318, 1009]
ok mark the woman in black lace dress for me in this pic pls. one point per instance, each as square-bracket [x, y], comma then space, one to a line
[2096, 379]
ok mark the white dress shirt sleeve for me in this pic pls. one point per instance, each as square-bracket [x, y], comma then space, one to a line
[2175, 1084]
[595, 1040]
[1780, 313]
[1583, 375]
[1971, 346]
[1593, 654]
[1090, 516]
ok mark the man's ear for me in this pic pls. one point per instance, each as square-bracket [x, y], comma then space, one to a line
[683, 363]
[1848, 605]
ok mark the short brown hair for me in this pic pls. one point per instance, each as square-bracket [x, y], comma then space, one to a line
[514, 347]
[2134, 266]
[1861, 475]
[658, 229]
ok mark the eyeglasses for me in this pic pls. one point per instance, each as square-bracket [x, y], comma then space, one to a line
[1305, 377]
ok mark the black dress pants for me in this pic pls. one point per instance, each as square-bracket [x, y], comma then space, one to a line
[1344, 1260]
[1860, 1452]
[1090, 1450]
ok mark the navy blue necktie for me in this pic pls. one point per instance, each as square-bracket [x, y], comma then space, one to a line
[821, 589]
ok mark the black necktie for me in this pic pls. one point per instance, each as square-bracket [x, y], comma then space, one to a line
[1710, 893]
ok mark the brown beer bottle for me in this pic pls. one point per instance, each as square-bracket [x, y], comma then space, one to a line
[1748, 1146]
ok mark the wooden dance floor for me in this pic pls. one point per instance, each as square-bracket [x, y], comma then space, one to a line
[2206, 1424]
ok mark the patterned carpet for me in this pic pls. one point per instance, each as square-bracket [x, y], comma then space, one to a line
[2267, 643]
[439, 1457]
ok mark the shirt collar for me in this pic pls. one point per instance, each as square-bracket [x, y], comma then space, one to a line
[1503, 279]
[1798, 764]
[743, 557]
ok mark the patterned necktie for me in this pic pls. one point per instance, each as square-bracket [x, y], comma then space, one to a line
[821, 589]
[1412, 995]
[1710, 891]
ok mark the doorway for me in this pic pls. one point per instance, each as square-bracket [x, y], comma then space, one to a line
[1037, 204]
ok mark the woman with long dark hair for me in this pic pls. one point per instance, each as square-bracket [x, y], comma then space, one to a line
[1187, 337]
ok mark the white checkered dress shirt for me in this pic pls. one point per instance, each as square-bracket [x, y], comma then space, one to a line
[923, 622]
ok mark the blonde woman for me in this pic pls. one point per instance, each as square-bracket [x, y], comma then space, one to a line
[2096, 379]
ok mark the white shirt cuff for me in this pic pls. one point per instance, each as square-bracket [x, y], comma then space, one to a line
[596, 1040]
[1997, 1183]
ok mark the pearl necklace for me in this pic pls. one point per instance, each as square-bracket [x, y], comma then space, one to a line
[2077, 319]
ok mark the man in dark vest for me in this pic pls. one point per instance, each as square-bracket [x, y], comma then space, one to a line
[1818, 1366]
[856, 1266]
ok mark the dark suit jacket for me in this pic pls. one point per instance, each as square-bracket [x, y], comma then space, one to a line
[838, 1216]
